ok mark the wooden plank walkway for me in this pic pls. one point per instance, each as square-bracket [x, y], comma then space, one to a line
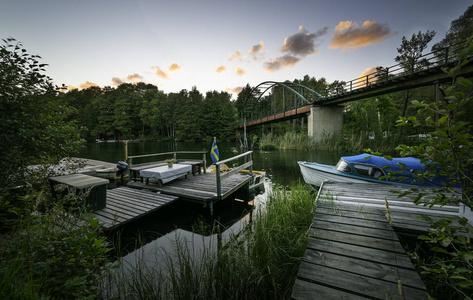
[366, 197]
[199, 188]
[126, 204]
[352, 256]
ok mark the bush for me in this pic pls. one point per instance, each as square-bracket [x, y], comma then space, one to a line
[56, 255]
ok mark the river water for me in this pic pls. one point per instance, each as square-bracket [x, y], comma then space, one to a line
[140, 242]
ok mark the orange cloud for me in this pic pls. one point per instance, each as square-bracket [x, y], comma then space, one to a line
[174, 67]
[372, 77]
[240, 71]
[235, 90]
[161, 74]
[349, 35]
[280, 62]
[236, 56]
[220, 69]
[256, 51]
[87, 85]
[134, 78]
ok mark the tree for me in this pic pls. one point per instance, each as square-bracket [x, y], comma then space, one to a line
[460, 30]
[34, 124]
[410, 51]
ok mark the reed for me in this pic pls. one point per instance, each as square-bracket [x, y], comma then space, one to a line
[259, 263]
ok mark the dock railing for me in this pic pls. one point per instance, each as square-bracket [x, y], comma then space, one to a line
[220, 176]
[174, 154]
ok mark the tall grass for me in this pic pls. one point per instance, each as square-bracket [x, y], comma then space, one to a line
[259, 263]
[354, 142]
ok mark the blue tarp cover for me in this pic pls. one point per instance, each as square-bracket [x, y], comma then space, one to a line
[413, 165]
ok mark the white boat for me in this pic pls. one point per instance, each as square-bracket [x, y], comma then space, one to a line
[369, 168]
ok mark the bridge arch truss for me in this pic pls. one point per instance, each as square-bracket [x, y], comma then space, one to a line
[277, 100]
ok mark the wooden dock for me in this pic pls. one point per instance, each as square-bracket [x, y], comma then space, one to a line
[367, 197]
[351, 255]
[126, 204]
[354, 253]
[199, 188]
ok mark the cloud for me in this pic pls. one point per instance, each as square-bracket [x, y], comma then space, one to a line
[240, 71]
[371, 79]
[134, 78]
[87, 85]
[71, 87]
[280, 62]
[161, 74]
[235, 90]
[174, 67]
[349, 35]
[220, 69]
[116, 81]
[236, 56]
[256, 51]
[303, 43]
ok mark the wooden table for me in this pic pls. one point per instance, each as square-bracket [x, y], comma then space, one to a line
[94, 188]
[166, 174]
[196, 165]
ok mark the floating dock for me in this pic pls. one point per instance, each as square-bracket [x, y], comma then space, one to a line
[367, 197]
[126, 204]
[353, 251]
[351, 256]
[199, 188]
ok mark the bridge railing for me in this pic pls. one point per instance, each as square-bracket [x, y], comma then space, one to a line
[431, 61]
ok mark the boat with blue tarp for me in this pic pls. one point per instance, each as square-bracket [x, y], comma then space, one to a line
[369, 168]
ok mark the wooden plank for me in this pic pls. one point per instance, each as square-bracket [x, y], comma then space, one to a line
[384, 234]
[348, 263]
[365, 241]
[355, 283]
[306, 290]
[353, 221]
[369, 254]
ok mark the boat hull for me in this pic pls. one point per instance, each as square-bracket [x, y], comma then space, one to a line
[316, 177]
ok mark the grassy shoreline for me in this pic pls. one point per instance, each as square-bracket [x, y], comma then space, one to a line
[334, 142]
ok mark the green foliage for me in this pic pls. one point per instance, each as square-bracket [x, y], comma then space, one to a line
[448, 152]
[34, 122]
[51, 257]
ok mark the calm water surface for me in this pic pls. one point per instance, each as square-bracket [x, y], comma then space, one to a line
[145, 240]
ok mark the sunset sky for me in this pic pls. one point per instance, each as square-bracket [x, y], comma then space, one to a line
[217, 45]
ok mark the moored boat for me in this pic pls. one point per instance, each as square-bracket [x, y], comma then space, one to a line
[368, 168]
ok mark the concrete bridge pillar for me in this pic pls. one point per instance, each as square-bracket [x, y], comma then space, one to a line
[324, 120]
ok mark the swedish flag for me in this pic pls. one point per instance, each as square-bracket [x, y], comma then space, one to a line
[214, 152]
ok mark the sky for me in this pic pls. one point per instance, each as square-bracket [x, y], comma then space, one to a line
[217, 45]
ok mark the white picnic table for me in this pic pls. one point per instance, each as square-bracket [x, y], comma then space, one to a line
[165, 174]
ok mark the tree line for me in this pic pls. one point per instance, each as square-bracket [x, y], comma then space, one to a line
[142, 111]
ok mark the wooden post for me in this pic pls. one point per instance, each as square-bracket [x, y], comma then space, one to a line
[219, 186]
[205, 163]
[175, 149]
[126, 150]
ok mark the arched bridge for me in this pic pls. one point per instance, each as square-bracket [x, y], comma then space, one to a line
[271, 101]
